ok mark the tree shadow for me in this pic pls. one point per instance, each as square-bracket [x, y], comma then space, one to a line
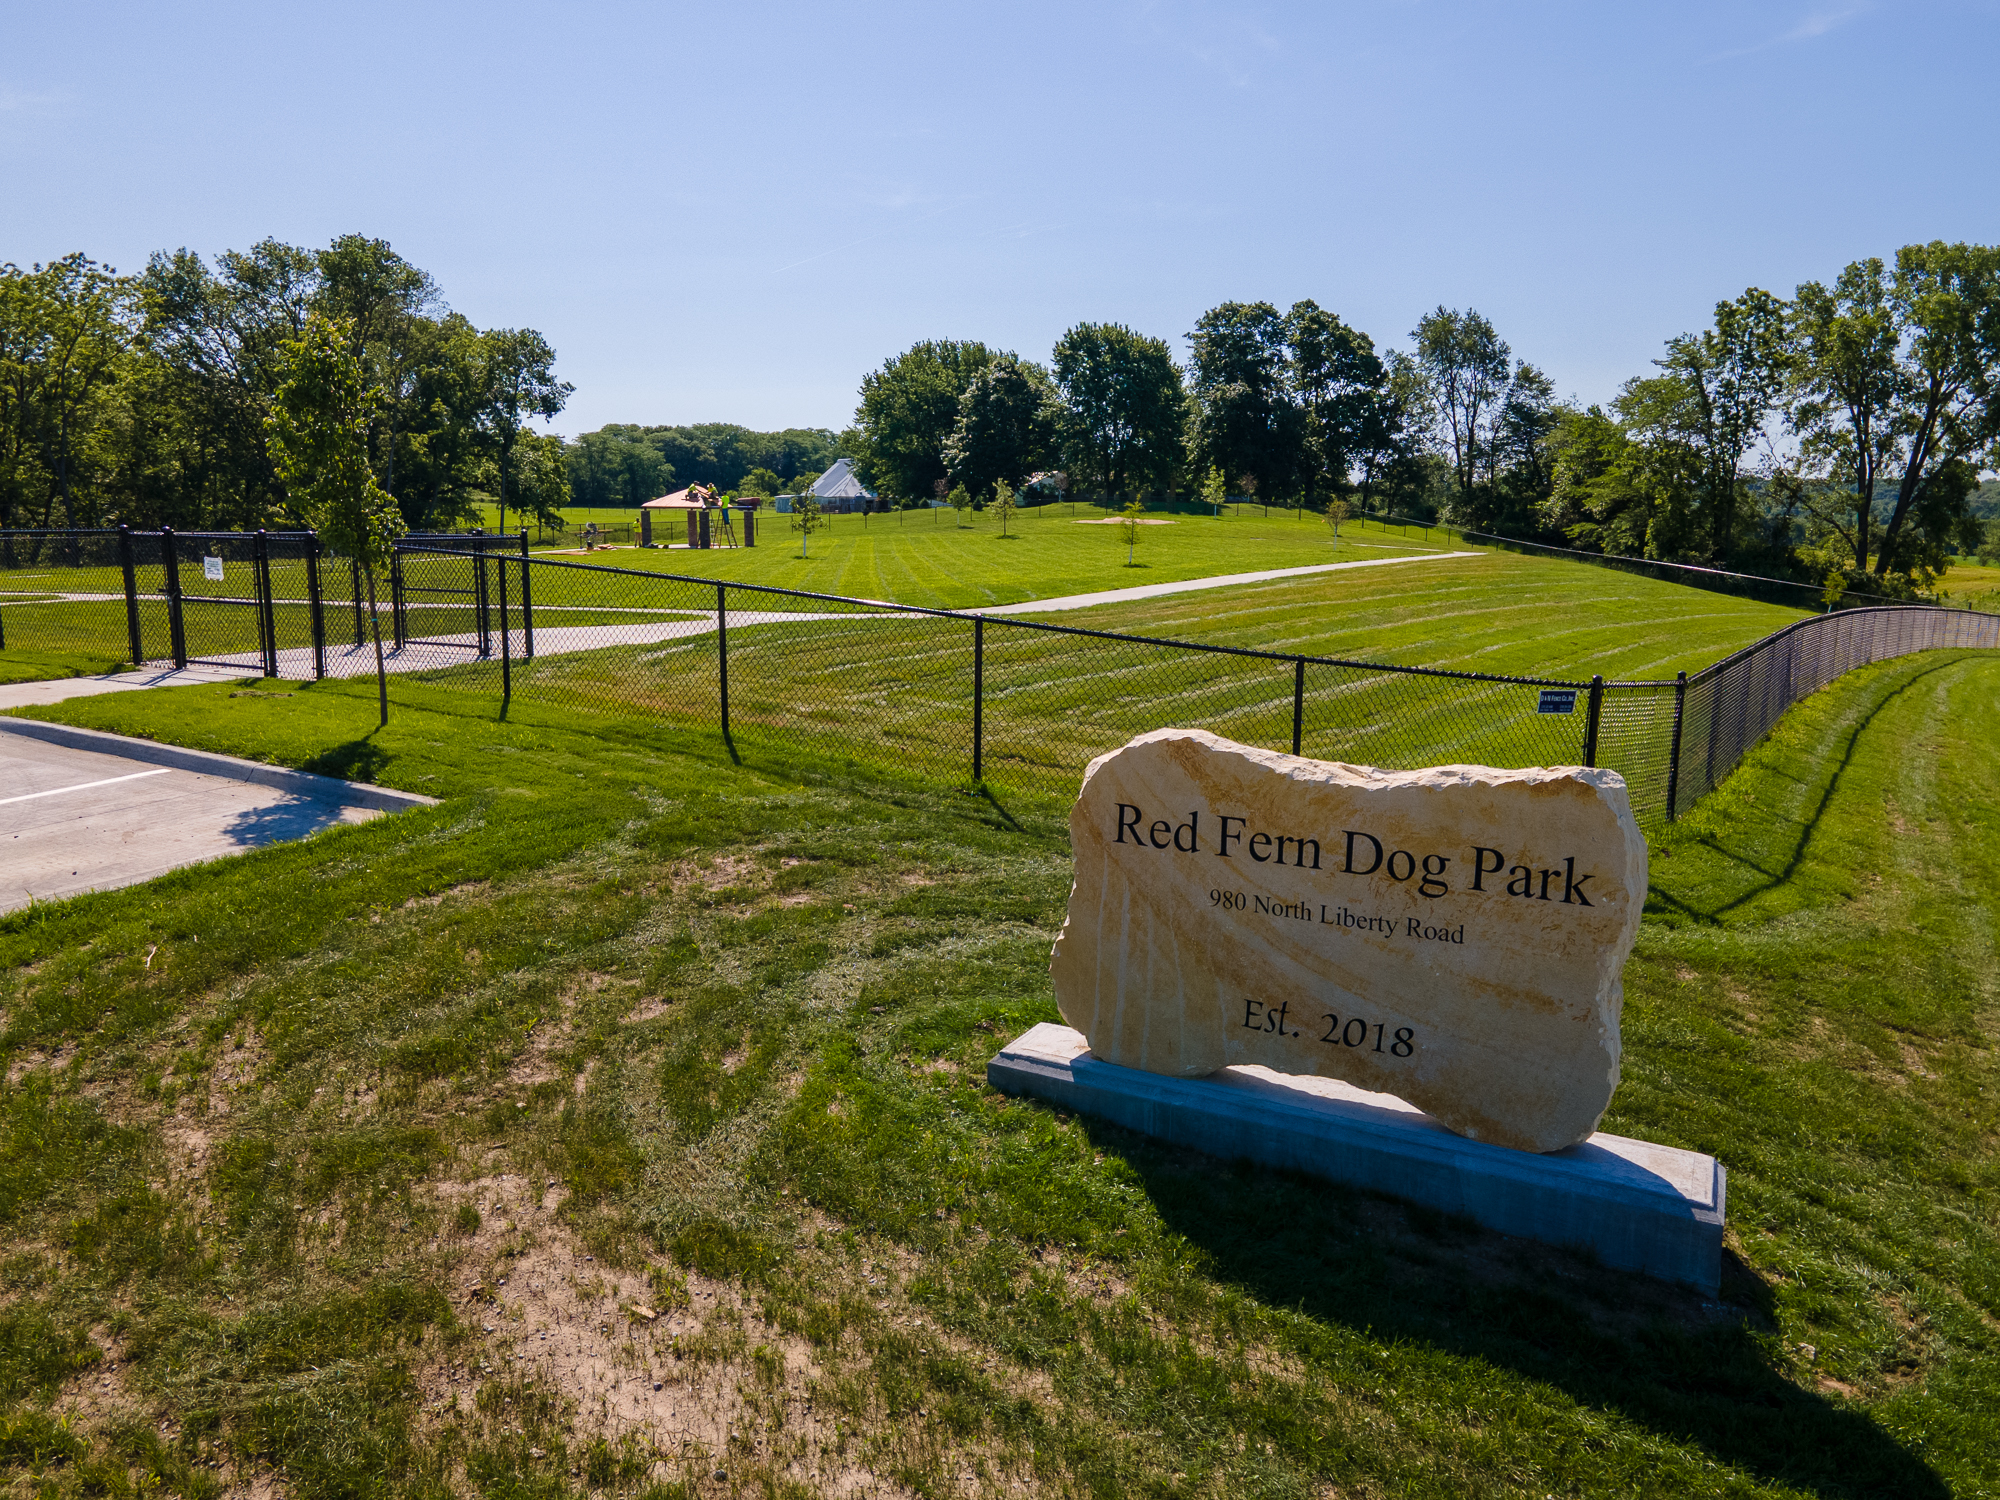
[357, 760]
[1690, 1369]
[293, 818]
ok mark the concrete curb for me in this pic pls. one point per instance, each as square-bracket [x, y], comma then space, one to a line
[1638, 1206]
[208, 763]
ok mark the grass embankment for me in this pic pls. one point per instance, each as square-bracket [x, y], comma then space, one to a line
[620, 1023]
[898, 691]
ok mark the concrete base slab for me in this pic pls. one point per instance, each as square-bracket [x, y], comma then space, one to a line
[1637, 1206]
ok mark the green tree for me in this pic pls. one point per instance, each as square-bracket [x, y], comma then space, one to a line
[1617, 494]
[1519, 465]
[1006, 425]
[959, 498]
[1715, 393]
[1245, 420]
[1464, 366]
[1003, 504]
[517, 370]
[215, 339]
[1124, 413]
[611, 468]
[1341, 386]
[1894, 378]
[760, 481]
[1337, 510]
[1388, 423]
[909, 409]
[1214, 490]
[389, 302]
[318, 427]
[66, 330]
[806, 519]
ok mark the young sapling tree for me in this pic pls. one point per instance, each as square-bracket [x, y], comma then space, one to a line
[1003, 503]
[806, 519]
[1129, 517]
[318, 431]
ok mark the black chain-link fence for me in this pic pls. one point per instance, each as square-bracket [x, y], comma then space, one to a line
[1000, 699]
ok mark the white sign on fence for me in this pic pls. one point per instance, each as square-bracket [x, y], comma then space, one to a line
[211, 569]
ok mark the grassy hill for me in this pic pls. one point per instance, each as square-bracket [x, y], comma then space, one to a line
[929, 558]
[352, 1159]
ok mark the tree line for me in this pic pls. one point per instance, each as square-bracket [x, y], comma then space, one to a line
[147, 399]
[628, 464]
[1841, 431]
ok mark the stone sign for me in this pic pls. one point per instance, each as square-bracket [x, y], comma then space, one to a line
[1454, 936]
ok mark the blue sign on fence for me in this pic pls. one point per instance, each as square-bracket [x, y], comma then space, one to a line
[1557, 701]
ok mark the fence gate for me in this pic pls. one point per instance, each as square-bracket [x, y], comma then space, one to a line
[449, 591]
[218, 595]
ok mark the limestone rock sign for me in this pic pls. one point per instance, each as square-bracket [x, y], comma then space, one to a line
[1454, 936]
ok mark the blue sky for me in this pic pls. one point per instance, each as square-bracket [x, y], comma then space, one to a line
[732, 212]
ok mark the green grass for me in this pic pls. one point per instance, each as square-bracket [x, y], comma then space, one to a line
[738, 1014]
[1968, 581]
[929, 558]
[46, 666]
[897, 691]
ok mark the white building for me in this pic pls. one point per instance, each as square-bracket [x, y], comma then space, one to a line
[838, 491]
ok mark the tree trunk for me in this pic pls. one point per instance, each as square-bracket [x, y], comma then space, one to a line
[381, 668]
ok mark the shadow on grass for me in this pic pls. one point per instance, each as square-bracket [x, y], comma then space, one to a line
[1690, 1370]
[357, 760]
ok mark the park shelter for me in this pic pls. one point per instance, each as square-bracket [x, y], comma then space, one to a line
[839, 490]
[694, 502]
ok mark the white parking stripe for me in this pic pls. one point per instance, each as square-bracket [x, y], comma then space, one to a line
[84, 786]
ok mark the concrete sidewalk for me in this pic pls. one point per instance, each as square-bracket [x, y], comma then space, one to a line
[59, 689]
[1191, 585]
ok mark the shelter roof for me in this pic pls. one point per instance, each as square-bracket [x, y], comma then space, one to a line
[694, 497]
[839, 483]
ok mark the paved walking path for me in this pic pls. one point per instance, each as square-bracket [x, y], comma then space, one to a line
[31, 694]
[1189, 585]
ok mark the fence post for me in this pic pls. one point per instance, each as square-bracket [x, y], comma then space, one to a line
[131, 595]
[267, 623]
[722, 650]
[483, 604]
[1590, 720]
[1674, 747]
[527, 602]
[506, 639]
[397, 623]
[1298, 703]
[978, 699]
[176, 634]
[318, 604]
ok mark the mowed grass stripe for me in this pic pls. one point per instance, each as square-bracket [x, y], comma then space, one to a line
[1500, 613]
[946, 565]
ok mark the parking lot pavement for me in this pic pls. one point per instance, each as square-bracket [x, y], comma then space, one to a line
[105, 813]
